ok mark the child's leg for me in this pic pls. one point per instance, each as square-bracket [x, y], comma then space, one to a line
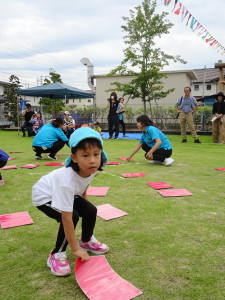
[88, 212]
[61, 242]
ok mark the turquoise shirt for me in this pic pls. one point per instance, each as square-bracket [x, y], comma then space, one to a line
[152, 133]
[48, 135]
[121, 114]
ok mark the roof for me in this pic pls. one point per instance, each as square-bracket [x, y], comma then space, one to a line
[211, 74]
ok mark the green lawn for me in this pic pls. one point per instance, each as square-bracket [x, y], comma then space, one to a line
[169, 248]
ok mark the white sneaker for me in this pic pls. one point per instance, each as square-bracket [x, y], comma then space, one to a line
[168, 161]
[156, 162]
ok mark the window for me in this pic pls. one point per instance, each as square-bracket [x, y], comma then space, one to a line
[89, 100]
[208, 87]
[196, 87]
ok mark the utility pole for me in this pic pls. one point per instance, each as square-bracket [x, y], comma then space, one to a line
[220, 65]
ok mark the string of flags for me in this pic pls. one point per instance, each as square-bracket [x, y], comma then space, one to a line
[180, 10]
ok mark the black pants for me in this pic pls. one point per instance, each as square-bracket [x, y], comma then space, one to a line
[123, 126]
[82, 208]
[29, 128]
[113, 122]
[58, 145]
[158, 154]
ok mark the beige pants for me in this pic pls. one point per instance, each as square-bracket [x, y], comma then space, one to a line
[187, 118]
[218, 130]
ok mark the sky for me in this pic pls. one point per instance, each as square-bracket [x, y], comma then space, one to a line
[36, 36]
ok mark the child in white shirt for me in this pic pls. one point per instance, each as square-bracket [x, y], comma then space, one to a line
[61, 195]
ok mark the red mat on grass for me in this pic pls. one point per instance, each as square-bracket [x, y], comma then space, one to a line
[108, 212]
[99, 281]
[54, 164]
[30, 166]
[175, 193]
[159, 185]
[126, 175]
[9, 167]
[15, 219]
[16, 152]
[11, 158]
[124, 158]
[97, 191]
[220, 169]
[114, 163]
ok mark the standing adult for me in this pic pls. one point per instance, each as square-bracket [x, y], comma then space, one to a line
[50, 139]
[113, 119]
[27, 124]
[186, 106]
[120, 111]
[218, 124]
[69, 124]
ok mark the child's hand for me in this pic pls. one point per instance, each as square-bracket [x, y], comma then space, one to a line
[83, 255]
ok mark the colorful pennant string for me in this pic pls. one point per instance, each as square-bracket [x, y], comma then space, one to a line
[180, 10]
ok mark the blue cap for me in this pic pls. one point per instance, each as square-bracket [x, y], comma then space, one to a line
[81, 134]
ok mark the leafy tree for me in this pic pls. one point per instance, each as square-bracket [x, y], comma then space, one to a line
[52, 106]
[12, 104]
[144, 58]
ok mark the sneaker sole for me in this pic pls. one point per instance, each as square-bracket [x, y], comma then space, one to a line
[93, 251]
[54, 273]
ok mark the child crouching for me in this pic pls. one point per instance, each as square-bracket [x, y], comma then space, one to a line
[61, 195]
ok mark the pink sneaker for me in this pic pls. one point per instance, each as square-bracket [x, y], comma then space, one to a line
[93, 246]
[59, 264]
[1, 182]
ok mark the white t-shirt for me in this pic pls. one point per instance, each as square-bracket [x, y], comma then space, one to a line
[60, 186]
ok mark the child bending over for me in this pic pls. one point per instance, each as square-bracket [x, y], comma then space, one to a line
[61, 195]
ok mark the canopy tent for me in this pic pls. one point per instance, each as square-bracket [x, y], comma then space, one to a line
[56, 91]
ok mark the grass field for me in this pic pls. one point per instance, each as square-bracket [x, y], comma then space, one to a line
[169, 248]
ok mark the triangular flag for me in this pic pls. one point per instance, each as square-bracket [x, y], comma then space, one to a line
[193, 22]
[188, 19]
[177, 12]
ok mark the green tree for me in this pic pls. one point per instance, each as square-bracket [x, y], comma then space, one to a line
[141, 54]
[12, 104]
[52, 106]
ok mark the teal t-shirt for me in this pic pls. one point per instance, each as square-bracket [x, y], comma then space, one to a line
[150, 134]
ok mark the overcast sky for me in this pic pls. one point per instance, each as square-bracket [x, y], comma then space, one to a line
[38, 35]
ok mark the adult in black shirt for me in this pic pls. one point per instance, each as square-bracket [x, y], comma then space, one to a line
[218, 124]
[113, 119]
[27, 114]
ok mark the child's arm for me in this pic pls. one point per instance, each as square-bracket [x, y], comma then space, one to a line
[135, 151]
[70, 236]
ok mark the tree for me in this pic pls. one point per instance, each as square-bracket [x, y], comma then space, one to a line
[12, 104]
[52, 106]
[144, 58]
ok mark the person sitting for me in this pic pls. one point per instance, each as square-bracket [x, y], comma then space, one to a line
[50, 139]
[37, 122]
[27, 114]
[69, 124]
[97, 127]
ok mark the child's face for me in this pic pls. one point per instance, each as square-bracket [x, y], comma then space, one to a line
[140, 125]
[88, 160]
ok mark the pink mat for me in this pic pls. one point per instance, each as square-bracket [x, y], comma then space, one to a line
[220, 169]
[54, 164]
[175, 193]
[108, 212]
[159, 185]
[11, 158]
[114, 163]
[30, 166]
[9, 167]
[58, 154]
[97, 191]
[15, 219]
[16, 152]
[126, 175]
[99, 281]
[124, 158]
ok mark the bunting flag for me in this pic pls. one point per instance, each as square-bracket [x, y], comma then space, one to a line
[180, 10]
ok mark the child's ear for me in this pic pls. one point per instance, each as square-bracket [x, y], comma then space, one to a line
[73, 157]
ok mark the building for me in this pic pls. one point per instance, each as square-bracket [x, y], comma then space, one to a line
[203, 82]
